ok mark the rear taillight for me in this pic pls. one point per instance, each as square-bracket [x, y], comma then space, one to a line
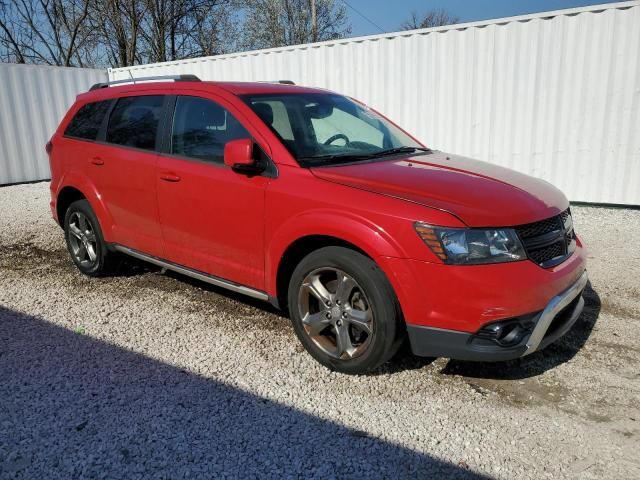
[49, 147]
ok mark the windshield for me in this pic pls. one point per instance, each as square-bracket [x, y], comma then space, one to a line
[321, 129]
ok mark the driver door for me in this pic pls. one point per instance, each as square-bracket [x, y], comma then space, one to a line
[212, 218]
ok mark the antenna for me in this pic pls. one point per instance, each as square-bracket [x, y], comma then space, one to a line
[131, 75]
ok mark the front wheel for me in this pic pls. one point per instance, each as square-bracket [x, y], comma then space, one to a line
[344, 310]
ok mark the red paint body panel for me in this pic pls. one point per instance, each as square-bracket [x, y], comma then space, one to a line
[298, 205]
[129, 194]
[238, 227]
[86, 186]
[213, 220]
[470, 189]
[126, 190]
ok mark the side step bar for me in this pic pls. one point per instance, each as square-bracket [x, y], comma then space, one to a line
[219, 282]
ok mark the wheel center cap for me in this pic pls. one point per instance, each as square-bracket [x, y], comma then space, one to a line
[336, 312]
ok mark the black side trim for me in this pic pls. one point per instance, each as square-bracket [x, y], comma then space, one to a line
[166, 125]
[437, 342]
[102, 133]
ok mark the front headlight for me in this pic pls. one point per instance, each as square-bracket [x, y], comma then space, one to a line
[471, 246]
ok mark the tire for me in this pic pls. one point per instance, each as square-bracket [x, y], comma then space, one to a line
[85, 241]
[344, 310]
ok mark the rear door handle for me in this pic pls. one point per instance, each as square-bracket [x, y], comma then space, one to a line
[169, 177]
[96, 161]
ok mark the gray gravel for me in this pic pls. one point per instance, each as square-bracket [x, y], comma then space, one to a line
[152, 375]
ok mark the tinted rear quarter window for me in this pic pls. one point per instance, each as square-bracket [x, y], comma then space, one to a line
[86, 122]
[134, 121]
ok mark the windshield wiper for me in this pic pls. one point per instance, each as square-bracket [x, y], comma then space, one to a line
[393, 151]
[346, 157]
[349, 157]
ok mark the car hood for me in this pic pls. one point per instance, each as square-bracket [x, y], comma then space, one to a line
[480, 194]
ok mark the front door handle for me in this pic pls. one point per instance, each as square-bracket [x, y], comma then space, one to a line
[96, 161]
[169, 177]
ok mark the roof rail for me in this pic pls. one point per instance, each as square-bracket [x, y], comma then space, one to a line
[176, 78]
[283, 82]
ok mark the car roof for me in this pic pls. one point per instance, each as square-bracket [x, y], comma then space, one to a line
[245, 88]
[235, 88]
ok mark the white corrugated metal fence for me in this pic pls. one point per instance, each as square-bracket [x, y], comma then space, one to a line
[555, 95]
[33, 100]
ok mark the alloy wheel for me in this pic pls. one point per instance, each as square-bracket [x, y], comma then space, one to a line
[336, 313]
[82, 237]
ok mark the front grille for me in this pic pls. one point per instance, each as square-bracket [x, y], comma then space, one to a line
[539, 228]
[544, 254]
[549, 242]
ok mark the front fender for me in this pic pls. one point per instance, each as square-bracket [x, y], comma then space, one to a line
[373, 239]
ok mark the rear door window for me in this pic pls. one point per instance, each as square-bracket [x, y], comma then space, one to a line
[87, 121]
[134, 121]
[201, 129]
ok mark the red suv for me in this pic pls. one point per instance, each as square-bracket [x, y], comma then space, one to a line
[325, 208]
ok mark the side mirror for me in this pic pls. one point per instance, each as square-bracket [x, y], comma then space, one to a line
[238, 154]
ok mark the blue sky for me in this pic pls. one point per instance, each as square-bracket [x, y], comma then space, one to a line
[389, 14]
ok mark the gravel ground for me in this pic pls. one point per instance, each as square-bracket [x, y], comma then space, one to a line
[152, 375]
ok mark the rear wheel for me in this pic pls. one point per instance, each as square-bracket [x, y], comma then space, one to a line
[343, 310]
[85, 241]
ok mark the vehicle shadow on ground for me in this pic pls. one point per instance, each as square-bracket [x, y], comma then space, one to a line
[132, 267]
[537, 363]
[75, 407]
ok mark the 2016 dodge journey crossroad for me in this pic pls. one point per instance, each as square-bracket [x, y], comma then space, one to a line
[322, 206]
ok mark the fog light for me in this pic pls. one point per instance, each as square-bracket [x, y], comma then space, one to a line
[511, 334]
[506, 333]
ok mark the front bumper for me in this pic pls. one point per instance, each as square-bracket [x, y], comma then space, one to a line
[555, 320]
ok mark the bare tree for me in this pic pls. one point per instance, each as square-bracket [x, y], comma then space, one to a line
[10, 50]
[175, 29]
[117, 25]
[429, 19]
[115, 32]
[119, 33]
[276, 23]
[216, 32]
[53, 32]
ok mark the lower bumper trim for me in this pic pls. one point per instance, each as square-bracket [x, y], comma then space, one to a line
[553, 308]
[437, 342]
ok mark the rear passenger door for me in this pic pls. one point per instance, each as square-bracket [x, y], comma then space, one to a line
[124, 166]
[212, 217]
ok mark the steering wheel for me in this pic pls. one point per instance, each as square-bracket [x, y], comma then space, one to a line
[335, 137]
